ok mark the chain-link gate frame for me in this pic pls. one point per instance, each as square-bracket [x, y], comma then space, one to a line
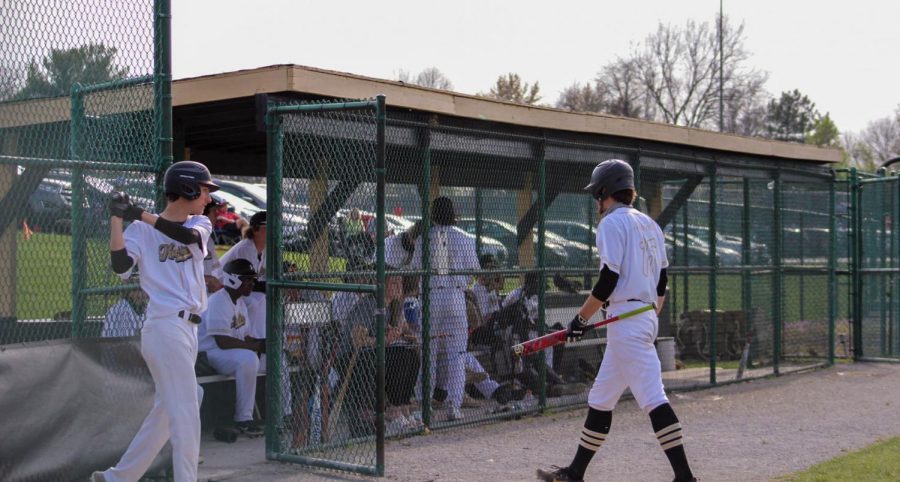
[287, 440]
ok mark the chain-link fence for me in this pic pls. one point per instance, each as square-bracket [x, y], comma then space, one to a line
[84, 107]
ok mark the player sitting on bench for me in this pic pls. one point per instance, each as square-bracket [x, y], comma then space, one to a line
[225, 337]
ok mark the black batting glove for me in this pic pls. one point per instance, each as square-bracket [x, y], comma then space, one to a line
[121, 206]
[577, 327]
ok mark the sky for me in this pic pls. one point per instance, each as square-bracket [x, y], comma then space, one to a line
[843, 55]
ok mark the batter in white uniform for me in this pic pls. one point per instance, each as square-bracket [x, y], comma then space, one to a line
[168, 249]
[632, 274]
[225, 337]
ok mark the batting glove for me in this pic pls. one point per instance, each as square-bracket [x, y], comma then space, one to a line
[577, 327]
[121, 206]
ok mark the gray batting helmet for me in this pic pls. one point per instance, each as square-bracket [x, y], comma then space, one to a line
[184, 179]
[609, 177]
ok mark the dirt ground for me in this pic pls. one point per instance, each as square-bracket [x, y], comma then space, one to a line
[741, 432]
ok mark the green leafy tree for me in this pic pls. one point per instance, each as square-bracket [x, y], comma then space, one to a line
[791, 117]
[824, 132]
[55, 74]
[511, 88]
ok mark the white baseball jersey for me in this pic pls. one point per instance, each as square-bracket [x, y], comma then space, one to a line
[211, 264]
[121, 320]
[633, 246]
[245, 249]
[223, 317]
[451, 249]
[488, 301]
[171, 272]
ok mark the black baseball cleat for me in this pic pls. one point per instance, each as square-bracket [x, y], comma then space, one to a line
[248, 428]
[557, 474]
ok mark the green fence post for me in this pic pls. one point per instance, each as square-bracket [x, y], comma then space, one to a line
[895, 266]
[426, 279]
[274, 314]
[162, 90]
[746, 259]
[479, 208]
[76, 135]
[856, 280]
[591, 241]
[882, 263]
[832, 267]
[684, 250]
[778, 231]
[712, 275]
[380, 116]
[542, 325]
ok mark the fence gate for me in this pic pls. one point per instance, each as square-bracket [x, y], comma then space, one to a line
[876, 284]
[325, 263]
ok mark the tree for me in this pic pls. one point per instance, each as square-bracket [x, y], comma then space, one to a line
[857, 153]
[61, 68]
[679, 72]
[882, 136]
[431, 77]
[626, 97]
[586, 98]
[8, 83]
[791, 117]
[824, 132]
[510, 88]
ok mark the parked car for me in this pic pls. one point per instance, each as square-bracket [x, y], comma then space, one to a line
[697, 252]
[759, 252]
[506, 233]
[574, 232]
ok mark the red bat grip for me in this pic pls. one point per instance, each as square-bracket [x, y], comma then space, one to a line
[557, 337]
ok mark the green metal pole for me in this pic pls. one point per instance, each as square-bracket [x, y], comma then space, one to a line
[684, 249]
[274, 314]
[895, 265]
[747, 260]
[478, 224]
[802, 263]
[856, 298]
[777, 284]
[882, 263]
[832, 266]
[381, 115]
[713, 300]
[78, 219]
[542, 326]
[426, 281]
[636, 164]
[162, 69]
[591, 207]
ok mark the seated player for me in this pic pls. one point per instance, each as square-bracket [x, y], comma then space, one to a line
[225, 337]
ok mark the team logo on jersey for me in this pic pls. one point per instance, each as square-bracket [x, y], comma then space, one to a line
[238, 321]
[178, 253]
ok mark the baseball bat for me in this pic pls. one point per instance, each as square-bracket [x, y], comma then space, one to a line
[557, 337]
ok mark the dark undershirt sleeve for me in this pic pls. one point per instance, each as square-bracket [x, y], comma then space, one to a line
[121, 262]
[605, 284]
[663, 281]
[177, 232]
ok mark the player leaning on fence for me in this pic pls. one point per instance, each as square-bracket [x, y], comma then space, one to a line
[633, 274]
[169, 250]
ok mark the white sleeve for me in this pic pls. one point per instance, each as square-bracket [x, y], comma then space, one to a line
[611, 244]
[470, 254]
[394, 254]
[203, 226]
[218, 318]
[661, 246]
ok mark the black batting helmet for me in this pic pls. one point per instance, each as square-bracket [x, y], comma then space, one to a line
[184, 179]
[236, 271]
[609, 177]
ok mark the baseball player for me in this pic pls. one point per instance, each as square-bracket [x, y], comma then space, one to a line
[253, 249]
[225, 337]
[168, 249]
[451, 250]
[212, 267]
[632, 274]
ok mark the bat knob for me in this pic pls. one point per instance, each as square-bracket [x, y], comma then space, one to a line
[518, 349]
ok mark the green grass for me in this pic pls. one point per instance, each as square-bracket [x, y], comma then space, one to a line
[875, 463]
[43, 275]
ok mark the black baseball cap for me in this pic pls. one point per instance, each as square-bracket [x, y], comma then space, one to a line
[258, 219]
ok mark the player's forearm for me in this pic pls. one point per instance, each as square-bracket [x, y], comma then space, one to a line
[659, 303]
[116, 238]
[230, 343]
[591, 305]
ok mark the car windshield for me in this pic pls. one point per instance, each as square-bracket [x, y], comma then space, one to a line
[241, 206]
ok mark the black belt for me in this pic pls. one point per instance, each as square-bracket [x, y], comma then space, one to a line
[193, 318]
